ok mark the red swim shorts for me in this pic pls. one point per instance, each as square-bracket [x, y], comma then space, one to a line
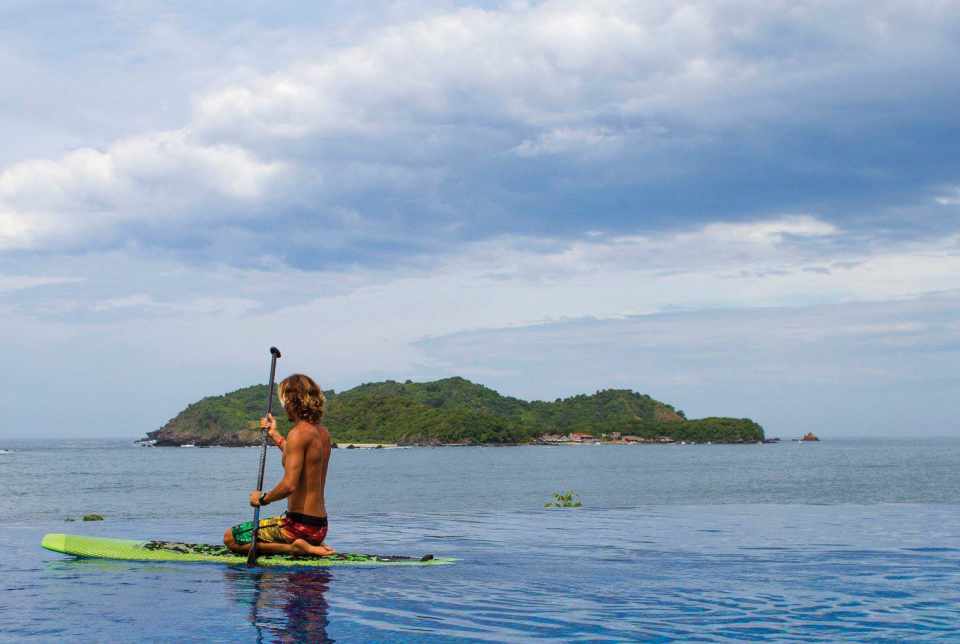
[284, 529]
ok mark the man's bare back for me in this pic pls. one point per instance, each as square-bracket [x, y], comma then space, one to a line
[307, 448]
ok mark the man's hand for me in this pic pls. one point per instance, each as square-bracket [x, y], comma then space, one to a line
[268, 423]
[255, 498]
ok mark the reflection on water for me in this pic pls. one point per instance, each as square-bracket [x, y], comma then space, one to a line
[285, 606]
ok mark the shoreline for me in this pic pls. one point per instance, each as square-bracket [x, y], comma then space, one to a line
[352, 446]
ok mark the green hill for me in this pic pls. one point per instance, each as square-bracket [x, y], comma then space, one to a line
[453, 410]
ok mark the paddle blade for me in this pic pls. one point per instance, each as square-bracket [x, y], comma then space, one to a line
[252, 553]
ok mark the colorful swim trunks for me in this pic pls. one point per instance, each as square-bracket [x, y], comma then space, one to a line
[286, 528]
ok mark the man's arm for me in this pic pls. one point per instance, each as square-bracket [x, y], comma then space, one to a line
[294, 452]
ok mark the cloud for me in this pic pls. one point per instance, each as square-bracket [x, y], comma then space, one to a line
[18, 282]
[715, 322]
[360, 181]
[154, 178]
[555, 63]
[143, 304]
[872, 368]
[517, 280]
[452, 125]
[951, 198]
[770, 232]
[591, 141]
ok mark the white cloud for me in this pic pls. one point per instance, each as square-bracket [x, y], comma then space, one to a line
[556, 64]
[407, 104]
[459, 315]
[365, 126]
[591, 141]
[771, 231]
[951, 198]
[144, 304]
[512, 280]
[158, 177]
[553, 65]
[19, 282]
[865, 368]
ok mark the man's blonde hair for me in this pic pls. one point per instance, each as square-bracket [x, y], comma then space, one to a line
[302, 398]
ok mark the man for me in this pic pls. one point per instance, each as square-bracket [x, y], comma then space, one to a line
[306, 453]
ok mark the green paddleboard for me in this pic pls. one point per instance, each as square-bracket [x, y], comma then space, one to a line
[130, 550]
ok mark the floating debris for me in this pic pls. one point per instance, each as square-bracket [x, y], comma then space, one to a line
[568, 499]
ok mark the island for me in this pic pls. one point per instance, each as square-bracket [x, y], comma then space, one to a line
[455, 411]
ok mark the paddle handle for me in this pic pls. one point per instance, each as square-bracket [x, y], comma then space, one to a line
[252, 554]
[274, 354]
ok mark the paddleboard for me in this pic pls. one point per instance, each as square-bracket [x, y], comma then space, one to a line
[131, 550]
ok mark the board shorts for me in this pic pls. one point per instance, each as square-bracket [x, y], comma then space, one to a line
[285, 528]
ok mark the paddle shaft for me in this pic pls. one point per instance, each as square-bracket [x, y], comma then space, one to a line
[252, 554]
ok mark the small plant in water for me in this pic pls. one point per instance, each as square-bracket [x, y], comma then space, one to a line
[93, 517]
[568, 499]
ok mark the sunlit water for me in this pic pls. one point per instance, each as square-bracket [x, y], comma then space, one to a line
[833, 541]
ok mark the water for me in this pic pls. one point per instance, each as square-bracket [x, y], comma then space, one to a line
[834, 541]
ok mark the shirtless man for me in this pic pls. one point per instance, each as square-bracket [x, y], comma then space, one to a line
[306, 453]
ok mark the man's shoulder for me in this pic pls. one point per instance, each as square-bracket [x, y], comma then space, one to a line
[298, 434]
[307, 431]
[323, 432]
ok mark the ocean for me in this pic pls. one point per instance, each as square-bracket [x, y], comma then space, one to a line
[841, 540]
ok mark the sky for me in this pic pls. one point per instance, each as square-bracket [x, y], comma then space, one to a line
[747, 208]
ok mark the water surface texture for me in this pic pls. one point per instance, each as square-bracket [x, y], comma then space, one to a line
[847, 540]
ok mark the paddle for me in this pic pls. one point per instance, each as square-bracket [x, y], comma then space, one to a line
[252, 554]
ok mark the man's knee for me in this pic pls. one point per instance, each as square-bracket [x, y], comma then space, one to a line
[228, 539]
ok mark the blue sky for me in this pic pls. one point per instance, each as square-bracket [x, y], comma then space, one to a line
[742, 208]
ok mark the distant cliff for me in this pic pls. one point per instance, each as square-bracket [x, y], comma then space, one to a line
[453, 410]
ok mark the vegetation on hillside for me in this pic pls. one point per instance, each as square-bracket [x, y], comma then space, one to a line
[453, 410]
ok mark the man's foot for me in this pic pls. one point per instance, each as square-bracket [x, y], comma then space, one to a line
[301, 547]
